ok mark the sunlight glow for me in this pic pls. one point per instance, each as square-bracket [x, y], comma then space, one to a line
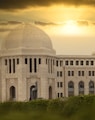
[70, 27]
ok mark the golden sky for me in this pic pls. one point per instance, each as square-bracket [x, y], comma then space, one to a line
[69, 23]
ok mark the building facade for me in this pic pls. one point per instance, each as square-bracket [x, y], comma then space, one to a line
[30, 68]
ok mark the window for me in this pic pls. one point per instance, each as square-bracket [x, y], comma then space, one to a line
[57, 63]
[77, 62]
[17, 60]
[79, 73]
[81, 87]
[10, 66]
[66, 62]
[13, 65]
[39, 60]
[5, 61]
[35, 65]
[30, 64]
[58, 95]
[53, 62]
[71, 62]
[93, 73]
[82, 73]
[60, 73]
[46, 61]
[57, 73]
[89, 73]
[92, 62]
[87, 62]
[81, 62]
[70, 88]
[61, 94]
[25, 60]
[68, 73]
[58, 84]
[61, 63]
[72, 73]
[61, 84]
[91, 87]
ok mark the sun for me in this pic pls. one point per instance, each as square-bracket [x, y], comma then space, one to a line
[69, 27]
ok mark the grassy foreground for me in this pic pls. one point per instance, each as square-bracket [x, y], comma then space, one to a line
[74, 108]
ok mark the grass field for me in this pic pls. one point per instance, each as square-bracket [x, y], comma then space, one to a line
[74, 108]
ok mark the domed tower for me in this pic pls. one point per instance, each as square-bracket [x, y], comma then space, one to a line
[27, 39]
[24, 64]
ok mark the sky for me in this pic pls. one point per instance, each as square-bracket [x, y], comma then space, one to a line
[69, 23]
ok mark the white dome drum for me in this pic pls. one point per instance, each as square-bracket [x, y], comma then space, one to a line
[28, 39]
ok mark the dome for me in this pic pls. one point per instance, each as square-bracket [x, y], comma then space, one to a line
[27, 37]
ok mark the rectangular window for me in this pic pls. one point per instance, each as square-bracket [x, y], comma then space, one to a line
[13, 65]
[92, 62]
[79, 73]
[60, 73]
[69, 73]
[53, 62]
[89, 73]
[58, 95]
[39, 60]
[82, 73]
[93, 73]
[48, 65]
[30, 64]
[5, 61]
[51, 65]
[57, 73]
[58, 84]
[66, 62]
[61, 84]
[61, 94]
[71, 62]
[77, 62]
[61, 63]
[57, 63]
[35, 65]
[87, 62]
[9, 65]
[81, 62]
[72, 73]
[25, 60]
[46, 61]
[17, 60]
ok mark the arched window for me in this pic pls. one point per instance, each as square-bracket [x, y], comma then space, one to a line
[33, 92]
[91, 87]
[70, 88]
[12, 93]
[81, 87]
[50, 92]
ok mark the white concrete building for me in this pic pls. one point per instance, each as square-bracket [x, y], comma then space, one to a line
[30, 68]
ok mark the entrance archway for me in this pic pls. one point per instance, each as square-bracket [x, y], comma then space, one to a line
[33, 92]
[50, 92]
[12, 93]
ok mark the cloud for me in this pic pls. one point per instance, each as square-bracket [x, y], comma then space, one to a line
[8, 25]
[44, 23]
[83, 23]
[20, 4]
[14, 22]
